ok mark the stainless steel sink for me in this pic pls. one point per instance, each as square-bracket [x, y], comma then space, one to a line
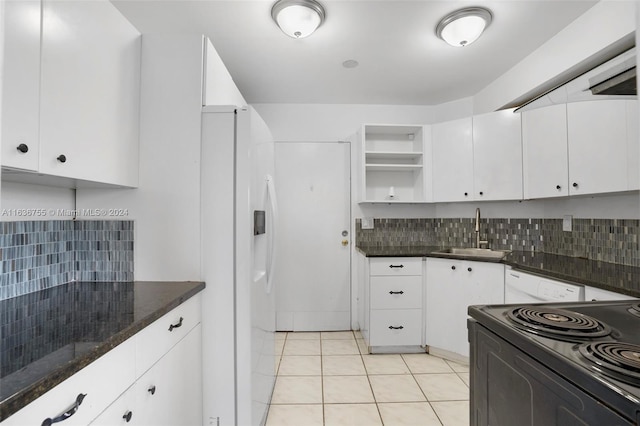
[479, 253]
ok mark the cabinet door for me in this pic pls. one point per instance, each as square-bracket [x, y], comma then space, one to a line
[21, 84]
[497, 156]
[170, 393]
[597, 132]
[452, 286]
[452, 156]
[446, 282]
[545, 161]
[90, 83]
[122, 411]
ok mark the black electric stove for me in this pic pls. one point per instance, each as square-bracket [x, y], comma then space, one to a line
[555, 364]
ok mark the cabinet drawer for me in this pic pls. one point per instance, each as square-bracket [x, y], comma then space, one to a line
[158, 338]
[102, 381]
[395, 266]
[386, 331]
[396, 292]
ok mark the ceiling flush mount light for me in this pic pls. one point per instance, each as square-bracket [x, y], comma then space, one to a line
[464, 26]
[298, 18]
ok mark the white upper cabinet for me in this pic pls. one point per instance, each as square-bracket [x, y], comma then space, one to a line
[21, 85]
[89, 98]
[393, 164]
[71, 92]
[452, 145]
[544, 144]
[478, 158]
[497, 156]
[600, 141]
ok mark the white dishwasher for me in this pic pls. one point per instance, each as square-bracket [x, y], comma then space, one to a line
[521, 287]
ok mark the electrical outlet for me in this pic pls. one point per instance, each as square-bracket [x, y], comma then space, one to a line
[367, 223]
[567, 223]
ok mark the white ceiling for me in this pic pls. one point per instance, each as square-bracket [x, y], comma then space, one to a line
[402, 62]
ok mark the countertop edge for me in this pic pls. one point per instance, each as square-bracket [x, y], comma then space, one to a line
[29, 394]
[551, 274]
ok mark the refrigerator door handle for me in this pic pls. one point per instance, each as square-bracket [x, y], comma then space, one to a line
[273, 204]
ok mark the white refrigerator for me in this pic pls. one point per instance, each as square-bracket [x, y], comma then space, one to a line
[238, 324]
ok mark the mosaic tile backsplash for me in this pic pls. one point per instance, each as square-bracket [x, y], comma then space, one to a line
[36, 255]
[607, 240]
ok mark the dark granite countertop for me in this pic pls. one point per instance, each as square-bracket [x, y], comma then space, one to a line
[49, 335]
[607, 276]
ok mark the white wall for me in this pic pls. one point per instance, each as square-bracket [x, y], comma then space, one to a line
[166, 205]
[603, 24]
[606, 206]
[219, 87]
[56, 203]
[334, 122]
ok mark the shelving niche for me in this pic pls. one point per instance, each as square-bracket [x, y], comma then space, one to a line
[393, 163]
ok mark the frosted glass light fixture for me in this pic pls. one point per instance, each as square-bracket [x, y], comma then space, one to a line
[464, 26]
[298, 18]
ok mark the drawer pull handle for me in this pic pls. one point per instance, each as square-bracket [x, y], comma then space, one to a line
[396, 292]
[127, 416]
[453, 267]
[179, 324]
[396, 266]
[23, 148]
[152, 390]
[67, 413]
[469, 269]
[395, 328]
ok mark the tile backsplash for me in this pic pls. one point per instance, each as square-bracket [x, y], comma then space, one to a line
[36, 255]
[608, 240]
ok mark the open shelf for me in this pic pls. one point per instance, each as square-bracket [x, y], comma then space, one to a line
[392, 162]
[393, 167]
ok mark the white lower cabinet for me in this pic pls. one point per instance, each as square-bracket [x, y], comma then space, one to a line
[153, 378]
[593, 294]
[101, 382]
[451, 287]
[167, 394]
[393, 303]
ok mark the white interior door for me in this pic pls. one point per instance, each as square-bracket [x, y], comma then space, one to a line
[313, 291]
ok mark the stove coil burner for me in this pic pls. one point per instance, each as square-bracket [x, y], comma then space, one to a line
[615, 359]
[635, 309]
[557, 323]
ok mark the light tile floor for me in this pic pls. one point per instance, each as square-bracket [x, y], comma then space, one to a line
[328, 379]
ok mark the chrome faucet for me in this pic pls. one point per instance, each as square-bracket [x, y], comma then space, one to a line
[479, 242]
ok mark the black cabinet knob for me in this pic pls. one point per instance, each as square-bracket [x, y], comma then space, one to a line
[62, 158]
[575, 184]
[152, 390]
[469, 269]
[127, 416]
[481, 193]
[453, 267]
[23, 148]
[558, 187]
[466, 193]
